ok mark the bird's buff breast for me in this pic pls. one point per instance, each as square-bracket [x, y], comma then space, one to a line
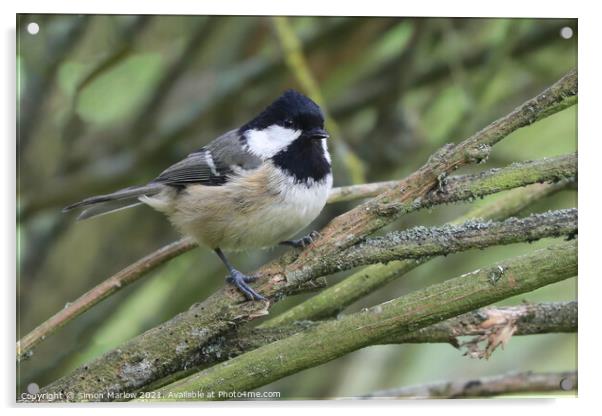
[255, 210]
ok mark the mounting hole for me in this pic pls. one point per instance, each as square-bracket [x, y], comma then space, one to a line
[566, 32]
[566, 384]
[33, 388]
[33, 28]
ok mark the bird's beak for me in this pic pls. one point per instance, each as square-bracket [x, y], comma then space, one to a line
[317, 133]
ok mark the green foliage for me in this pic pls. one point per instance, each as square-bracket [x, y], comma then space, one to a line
[115, 95]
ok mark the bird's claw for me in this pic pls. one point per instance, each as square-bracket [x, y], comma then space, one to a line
[240, 280]
[303, 241]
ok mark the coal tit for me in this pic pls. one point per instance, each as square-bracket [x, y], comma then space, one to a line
[253, 187]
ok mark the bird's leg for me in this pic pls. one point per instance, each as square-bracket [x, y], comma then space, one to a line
[239, 279]
[303, 241]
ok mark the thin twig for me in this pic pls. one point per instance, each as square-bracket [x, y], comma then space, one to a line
[511, 383]
[113, 284]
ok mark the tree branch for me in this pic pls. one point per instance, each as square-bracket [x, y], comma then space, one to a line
[469, 187]
[466, 187]
[118, 281]
[516, 200]
[423, 242]
[529, 319]
[419, 309]
[526, 382]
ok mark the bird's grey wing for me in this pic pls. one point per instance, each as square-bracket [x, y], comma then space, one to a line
[212, 165]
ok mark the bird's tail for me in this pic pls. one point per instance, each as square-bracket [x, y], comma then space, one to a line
[116, 201]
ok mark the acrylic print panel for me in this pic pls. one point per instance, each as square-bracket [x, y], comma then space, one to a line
[124, 307]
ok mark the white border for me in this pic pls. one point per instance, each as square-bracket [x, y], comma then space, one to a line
[589, 149]
[457, 8]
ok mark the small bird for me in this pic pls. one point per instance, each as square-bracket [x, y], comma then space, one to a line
[253, 187]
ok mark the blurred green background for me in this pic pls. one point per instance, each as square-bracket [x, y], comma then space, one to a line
[109, 101]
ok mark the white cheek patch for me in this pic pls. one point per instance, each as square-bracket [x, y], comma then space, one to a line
[268, 142]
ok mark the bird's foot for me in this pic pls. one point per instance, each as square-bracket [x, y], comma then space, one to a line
[240, 280]
[302, 242]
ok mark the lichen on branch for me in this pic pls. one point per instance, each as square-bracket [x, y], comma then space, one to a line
[421, 242]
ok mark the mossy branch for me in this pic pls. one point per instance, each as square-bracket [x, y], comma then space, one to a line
[467, 187]
[419, 309]
[528, 319]
[421, 242]
[511, 383]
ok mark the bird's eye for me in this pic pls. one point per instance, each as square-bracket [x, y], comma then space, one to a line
[288, 123]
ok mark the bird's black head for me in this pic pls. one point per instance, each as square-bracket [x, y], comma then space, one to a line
[292, 110]
[290, 132]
